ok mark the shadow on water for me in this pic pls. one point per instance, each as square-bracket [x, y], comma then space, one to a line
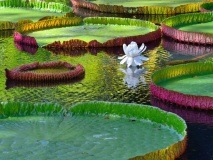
[6, 33]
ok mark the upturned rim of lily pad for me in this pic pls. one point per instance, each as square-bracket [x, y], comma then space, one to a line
[34, 6]
[24, 72]
[181, 99]
[168, 28]
[184, 8]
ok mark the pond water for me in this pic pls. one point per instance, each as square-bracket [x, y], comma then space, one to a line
[106, 80]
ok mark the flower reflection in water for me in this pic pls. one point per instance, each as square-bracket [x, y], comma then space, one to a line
[134, 76]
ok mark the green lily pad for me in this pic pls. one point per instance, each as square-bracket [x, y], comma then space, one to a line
[87, 33]
[86, 131]
[205, 27]
[206, 7]
[16, 14]
[104, 31]
[200, 85]
[137, 3]
[187, 85]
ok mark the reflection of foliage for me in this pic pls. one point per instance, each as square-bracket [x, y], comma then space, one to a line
[6, 25]
[6, 33]
[2, 50]
[209, 60]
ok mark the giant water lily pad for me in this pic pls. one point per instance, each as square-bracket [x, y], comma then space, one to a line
[87, 33]
[193, 28]
[95, 130]
[200, 85]
[137, 3]
[98, 32]
[140, 7]
[16, 14]
[205, 27]
[189, 85]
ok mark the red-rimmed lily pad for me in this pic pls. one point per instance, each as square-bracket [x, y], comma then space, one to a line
[192, 28]
[90, 131]
[140, 7]
[187, 85]
[47, 71]
[39, 84]
[98, 32]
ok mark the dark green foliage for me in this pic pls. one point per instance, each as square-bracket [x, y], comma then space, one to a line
[207, 6]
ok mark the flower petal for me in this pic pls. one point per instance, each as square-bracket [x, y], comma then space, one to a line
[138, 61]
[122, 57]
[143, 58]
[142, 48]
[129, 61]
[124, 60]
[125, 49]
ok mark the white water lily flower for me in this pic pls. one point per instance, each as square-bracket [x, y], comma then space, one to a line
[133, 54]
[134, 76]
